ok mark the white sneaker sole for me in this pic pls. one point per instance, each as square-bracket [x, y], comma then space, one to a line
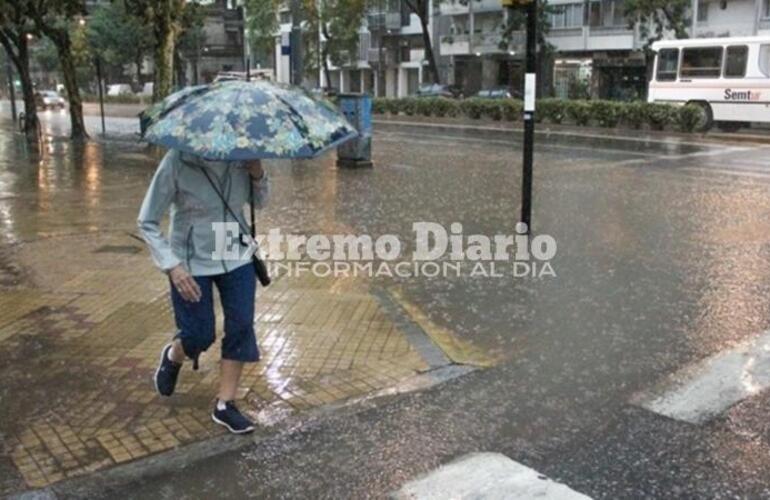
[160, 363]
[225, 425]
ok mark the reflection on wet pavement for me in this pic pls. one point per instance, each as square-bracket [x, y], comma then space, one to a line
[662, 260]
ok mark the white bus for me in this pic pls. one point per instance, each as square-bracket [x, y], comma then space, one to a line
[729, 78]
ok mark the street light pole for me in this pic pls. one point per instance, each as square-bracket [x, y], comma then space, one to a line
[295, 42]
[530, 85]
[11, 90]
[101, 92]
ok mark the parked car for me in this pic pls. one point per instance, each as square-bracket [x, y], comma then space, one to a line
[119, 89]
[49, 99]
[497, 93]
[437, 90]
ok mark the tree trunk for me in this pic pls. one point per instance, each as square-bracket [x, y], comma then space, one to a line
[69, 75]
[327, 74]
[164, 60]
[138, 64]
[20, 59]
[429, 55]
[31, 121]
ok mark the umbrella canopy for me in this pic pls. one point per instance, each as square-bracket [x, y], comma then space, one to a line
[237, 120]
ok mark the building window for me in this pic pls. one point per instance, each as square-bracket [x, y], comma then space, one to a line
[606, 14]
[766, 9]
[567, 16]
[701, 62]
[668, 60]
[703, 12]
[285, 17]
[736, 58]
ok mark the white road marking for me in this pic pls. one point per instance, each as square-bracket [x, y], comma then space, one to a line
[485, 476]
[702, 391]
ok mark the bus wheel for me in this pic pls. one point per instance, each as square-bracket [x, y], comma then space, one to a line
[730, 126]
[707, 117]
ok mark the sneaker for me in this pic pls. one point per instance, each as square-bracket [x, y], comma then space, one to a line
[230, 417]
[166, 374]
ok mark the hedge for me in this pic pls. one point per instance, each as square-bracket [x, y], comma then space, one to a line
[600, 113]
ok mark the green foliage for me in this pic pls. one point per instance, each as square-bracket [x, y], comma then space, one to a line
[445, 107]
[606, 113]
[380, 105]
[262, 25]
[338, 21]
[408, 106]
[473, 107]
[688, 117]
[635, 114]
[659, 115]
[579, 112]
[512, 109]
[603, 113]
[655, 18]
[117, 37]
[554, 110]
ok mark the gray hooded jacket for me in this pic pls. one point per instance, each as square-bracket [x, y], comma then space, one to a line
[180, 187]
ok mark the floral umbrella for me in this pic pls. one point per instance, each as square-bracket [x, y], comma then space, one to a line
[237, 120]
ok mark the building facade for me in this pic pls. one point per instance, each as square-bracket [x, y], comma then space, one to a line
[595, 51]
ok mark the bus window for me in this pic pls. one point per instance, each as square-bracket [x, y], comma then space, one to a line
[668, 60]
[736, 58]
[764, 59]
[701, 62]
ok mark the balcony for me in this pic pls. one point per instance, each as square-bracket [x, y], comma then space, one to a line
[483, 43]
[384, 20]
[460, 7]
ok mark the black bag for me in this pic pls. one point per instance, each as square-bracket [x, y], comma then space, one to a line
[260, 268]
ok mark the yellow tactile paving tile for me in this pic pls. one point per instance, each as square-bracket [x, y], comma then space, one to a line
[103, 322]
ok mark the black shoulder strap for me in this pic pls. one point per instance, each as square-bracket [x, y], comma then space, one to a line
[227, 205]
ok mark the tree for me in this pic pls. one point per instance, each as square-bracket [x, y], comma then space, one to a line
[656, 19]
[191, 38]
[165, 17]
[54, 19]
[15, 30]
[338, 21]
[119, 38]
[421, 8]
[517, 23]
[262, 25]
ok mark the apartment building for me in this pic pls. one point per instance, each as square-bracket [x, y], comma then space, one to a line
[596, 50]
[390, 60]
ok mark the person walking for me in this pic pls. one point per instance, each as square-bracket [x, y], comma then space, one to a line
[199, 253]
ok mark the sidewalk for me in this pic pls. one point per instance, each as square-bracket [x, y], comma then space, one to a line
[80, 350]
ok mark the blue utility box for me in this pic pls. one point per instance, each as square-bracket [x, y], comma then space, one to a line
[357, 152]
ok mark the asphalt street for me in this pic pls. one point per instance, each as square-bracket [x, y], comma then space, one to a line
[661, 264]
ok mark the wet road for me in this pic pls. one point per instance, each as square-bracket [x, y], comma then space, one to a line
[662, 261]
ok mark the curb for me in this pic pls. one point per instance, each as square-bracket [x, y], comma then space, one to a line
[176, 459]
[274, 420]
[636, 136]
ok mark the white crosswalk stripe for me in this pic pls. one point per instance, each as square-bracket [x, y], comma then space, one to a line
[704, 390]
[485, 476]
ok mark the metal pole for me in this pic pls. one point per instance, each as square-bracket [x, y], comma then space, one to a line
[11, 90]
[295, 42]
[530, 86]
[101, 94]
